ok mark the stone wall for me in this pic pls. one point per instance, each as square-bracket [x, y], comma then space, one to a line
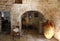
[49, 8]
[5, 5]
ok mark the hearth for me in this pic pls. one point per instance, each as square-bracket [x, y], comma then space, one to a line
[33, 20]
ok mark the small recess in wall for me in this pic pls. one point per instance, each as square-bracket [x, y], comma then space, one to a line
[18, 1]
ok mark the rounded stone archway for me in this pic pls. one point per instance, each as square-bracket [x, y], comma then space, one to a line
[32, 20]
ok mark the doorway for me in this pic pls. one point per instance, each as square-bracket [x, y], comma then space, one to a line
[5, 22]
[33, 21]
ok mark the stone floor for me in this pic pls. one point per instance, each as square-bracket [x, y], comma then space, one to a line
[27, 36]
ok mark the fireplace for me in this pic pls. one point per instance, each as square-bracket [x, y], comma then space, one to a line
[32, 20]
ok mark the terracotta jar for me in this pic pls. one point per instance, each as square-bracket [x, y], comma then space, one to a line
[49, 29]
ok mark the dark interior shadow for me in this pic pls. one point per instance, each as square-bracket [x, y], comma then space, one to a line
[5, 22]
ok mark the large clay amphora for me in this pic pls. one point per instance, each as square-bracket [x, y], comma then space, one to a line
[49, 29]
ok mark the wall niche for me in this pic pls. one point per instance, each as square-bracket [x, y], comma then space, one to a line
[18, 1]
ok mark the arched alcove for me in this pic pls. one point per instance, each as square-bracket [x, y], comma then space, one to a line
[32, 20]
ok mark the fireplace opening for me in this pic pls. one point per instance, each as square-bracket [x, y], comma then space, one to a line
[32, 21]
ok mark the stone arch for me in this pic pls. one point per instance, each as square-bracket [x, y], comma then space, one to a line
[41, 18]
